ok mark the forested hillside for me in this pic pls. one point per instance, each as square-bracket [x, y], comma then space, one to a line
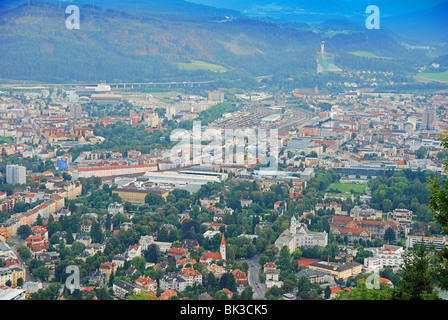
[116, 46]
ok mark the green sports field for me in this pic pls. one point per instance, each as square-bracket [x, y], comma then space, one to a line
[348, 187]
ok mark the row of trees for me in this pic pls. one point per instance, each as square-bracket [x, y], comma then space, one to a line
[402, 189]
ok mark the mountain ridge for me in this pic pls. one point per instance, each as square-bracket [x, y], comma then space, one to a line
[114, 45]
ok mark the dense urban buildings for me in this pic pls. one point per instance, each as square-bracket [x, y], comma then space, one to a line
[182, 176]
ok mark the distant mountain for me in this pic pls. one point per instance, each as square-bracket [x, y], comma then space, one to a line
[423, 21]
[426, 26]
[319, 10]
[114, 45]
[175, 7]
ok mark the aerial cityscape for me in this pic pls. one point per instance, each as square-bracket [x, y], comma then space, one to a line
[207, 150]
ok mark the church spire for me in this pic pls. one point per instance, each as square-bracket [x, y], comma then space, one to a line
[222, 248]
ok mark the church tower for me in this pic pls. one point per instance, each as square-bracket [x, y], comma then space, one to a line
[222, 248]
[293, 225]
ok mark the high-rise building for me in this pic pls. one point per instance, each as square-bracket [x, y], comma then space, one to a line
[216, 95]
[76, 111]
[429, 118]
[15, 174]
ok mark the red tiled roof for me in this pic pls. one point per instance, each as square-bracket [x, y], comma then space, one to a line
[112, 167]
[211, 256]
[356, 231]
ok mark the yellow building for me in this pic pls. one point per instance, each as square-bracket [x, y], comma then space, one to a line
[12, 274]
[137, 196]
[339, 271]
[17, 273]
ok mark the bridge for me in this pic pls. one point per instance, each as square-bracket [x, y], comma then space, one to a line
[139, 85]
[261, 78]
[123, 85]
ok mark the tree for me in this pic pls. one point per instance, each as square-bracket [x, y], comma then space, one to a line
[438, 204]
[221, 295]
[77, 248]
[327, 292]
[54, 239]
[24, 231]
[420, 153]
[42, 273]
[154, 199]
[54, 226]
[141, 296]
[228, 281]
[24, 252]
[387, 205]
[139, 263]
[49, 293]
[152, 254]
[361, 292]
[39, 220]
[66, 176]
[96, 234]
[247, 293]
[389, 235]
[417, 275]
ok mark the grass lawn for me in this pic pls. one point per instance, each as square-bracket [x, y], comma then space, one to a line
[6, 140]
[201, 65]
[437, 76]
[348, 187]
[367, 54]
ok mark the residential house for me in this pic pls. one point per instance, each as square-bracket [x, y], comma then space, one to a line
[271, 271]
[134, 251]
[191, 276]
[146, 284]
[99, 278]
[167, 294]
[122, 288]
[177, 253]
[86, 225]
[240, 278]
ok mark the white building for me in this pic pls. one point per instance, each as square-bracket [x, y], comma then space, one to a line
[7, 293]
[386, 256]
[115, 208]
[134, 251]
[172, 281]
[403, 217]
[122, 288]
[438, 243]
[146, 241]
[15, 174]
[298, 236]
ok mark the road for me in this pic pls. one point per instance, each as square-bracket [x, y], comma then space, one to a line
[19, 242]
[258, 287]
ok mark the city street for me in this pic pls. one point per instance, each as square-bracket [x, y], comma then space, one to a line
[19, 242]
[258, 287]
